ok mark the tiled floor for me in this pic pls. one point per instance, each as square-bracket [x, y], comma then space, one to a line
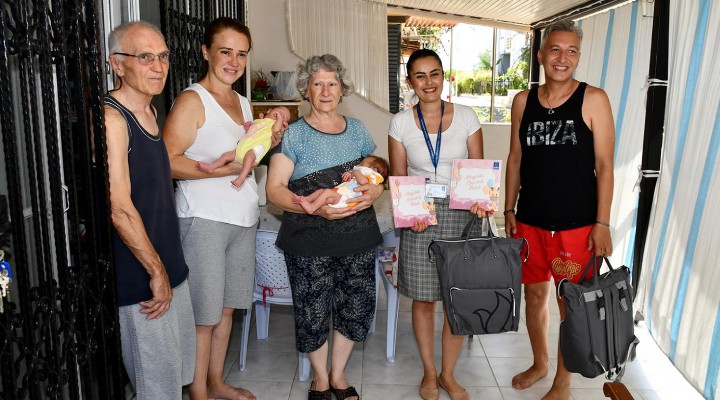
[485, 367]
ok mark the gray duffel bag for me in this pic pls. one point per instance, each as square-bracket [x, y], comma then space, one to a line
[597, 336]
[480, 280]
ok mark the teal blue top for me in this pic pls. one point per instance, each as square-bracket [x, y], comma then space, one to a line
[312, 150]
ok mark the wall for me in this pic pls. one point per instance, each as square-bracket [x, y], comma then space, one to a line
[496, 145]
[271, 52]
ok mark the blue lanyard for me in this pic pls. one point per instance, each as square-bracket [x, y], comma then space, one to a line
[434, 155]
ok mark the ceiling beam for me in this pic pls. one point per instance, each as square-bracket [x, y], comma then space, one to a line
[465, 19]
[581, 11]
[397, 19]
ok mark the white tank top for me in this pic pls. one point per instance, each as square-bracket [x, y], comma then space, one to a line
[217, 199]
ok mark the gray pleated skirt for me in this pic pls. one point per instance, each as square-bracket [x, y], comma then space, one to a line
[417, 276]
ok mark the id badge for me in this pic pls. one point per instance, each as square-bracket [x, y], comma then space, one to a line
[435, 190]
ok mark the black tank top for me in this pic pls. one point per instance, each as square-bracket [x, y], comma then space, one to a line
[558, 188]
[153, 197]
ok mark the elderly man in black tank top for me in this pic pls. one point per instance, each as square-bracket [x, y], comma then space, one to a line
[560, 175]
[157, 327]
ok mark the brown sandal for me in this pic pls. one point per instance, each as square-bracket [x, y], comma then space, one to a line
[319, 395]
[342, 394]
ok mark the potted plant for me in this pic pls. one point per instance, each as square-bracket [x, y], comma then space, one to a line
[260, 85]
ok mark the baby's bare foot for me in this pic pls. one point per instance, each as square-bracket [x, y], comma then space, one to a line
[237, 182]
[201, 166]
[307, 207]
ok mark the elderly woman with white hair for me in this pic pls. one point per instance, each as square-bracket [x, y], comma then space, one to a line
[330, 254]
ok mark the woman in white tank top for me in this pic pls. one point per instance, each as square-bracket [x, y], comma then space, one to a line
[217, 220]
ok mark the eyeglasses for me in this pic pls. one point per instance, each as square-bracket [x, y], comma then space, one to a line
[148, 58]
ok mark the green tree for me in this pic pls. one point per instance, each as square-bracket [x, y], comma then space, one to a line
[525, 57]
[485, 60]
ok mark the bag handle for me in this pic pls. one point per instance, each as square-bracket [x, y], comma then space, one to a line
[468, 227]
[593, 261]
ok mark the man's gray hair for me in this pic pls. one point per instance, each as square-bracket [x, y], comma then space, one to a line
[117, 36]
[564, 25]
[325, 62]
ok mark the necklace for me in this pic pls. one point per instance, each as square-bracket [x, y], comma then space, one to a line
[551, 110]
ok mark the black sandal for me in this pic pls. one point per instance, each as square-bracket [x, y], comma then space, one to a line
[319, 395]
[342, 394]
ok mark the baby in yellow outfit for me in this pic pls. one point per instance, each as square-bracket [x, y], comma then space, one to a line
[372, 169]
[251, 148]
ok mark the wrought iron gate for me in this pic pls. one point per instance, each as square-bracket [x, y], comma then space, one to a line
[58, 333]
[59, 330]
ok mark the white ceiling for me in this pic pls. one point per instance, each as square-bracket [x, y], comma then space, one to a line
[502, 12]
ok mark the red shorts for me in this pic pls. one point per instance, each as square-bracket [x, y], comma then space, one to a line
[559, 254]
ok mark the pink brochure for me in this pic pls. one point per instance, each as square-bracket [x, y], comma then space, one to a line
[409, 203]
[475, 181]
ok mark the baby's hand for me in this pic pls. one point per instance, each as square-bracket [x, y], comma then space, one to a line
[247, 125]
[346, 176]
[275, 114]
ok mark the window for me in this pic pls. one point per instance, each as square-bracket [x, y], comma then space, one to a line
[485, 67]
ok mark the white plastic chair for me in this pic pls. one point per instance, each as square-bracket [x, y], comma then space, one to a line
[390, 239]
[272, 286]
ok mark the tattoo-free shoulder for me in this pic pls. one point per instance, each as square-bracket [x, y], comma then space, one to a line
[520, 99]
[187, 110]
[595, 96]
[114, 121]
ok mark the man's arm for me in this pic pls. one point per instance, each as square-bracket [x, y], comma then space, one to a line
[512, 166]
[126, 219]
[596, 109]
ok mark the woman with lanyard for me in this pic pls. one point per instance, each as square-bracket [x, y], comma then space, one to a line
[410, 144]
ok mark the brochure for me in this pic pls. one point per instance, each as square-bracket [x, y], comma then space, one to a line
[475, 181]
[409, 203]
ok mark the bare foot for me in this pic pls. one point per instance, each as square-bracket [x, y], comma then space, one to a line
[429, 382]
[527, 378]
[237, 182]
[558, 392]
[339, 384]
[319, 384]
[230, 393]
[303, 203]
[204, 167]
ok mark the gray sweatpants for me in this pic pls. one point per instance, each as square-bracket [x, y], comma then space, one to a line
[159, 354]
[221, 259]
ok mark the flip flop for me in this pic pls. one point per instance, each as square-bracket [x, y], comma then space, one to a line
[342, 394]
[319, 395]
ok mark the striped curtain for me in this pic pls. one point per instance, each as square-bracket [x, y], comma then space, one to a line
[616, 57]
[353, 30]
[680, 282]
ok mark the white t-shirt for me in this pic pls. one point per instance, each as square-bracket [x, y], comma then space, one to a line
[217, 199]
[453, 145]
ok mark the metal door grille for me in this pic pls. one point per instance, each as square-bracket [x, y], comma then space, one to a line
[59, 333]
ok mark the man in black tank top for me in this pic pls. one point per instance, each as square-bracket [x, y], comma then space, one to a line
[560, 176]
[157, 328]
